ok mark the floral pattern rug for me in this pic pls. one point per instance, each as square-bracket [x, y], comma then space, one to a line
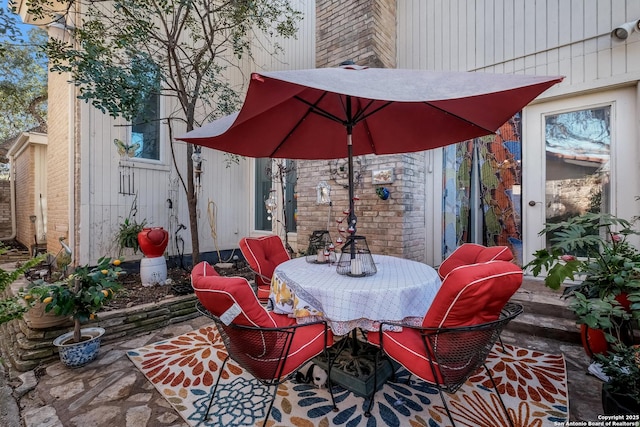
[184, 369]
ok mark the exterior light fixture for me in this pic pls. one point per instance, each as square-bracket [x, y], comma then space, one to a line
[622, 32]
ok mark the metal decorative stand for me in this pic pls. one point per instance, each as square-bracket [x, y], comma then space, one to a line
[321, 249]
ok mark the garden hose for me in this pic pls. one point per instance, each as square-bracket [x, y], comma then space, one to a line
[212, 210]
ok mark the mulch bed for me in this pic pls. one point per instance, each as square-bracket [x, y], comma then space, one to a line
[133, 293]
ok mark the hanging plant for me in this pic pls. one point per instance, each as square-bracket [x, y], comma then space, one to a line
[127, 236]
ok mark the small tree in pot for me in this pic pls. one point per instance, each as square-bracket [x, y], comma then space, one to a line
[81, 294]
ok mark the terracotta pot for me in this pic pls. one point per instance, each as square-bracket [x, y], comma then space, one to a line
[623, 300]
[38, 318]
[593, 341]
[153, 241]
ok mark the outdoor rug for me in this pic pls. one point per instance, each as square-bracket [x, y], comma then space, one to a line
[183, 369]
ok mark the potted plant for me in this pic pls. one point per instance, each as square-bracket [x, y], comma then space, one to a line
[593, 252]
[621, 390]
[80, 295]
[127, 236]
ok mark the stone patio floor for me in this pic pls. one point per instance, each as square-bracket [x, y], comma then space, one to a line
[111, 392]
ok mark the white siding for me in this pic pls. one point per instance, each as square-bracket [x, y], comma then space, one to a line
[567, 37]
[226, 192]
[543, 37]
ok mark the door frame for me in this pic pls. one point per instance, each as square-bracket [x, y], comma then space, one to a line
[624, 166]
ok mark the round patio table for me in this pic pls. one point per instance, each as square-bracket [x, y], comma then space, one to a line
[401, 291]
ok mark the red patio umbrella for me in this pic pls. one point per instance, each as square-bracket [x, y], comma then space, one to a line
[305, 114]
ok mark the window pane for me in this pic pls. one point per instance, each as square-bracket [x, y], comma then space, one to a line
[291, 196]
[263, 187]
[145, 132]
[282, 175]
[577, 163]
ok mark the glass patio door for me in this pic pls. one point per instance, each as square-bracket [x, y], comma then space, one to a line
[577, 163]
[578, 156]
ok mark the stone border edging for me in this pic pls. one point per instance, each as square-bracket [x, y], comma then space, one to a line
[26, 348]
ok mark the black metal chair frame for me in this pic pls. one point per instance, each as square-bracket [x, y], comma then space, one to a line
[444, 364]
[282, 336]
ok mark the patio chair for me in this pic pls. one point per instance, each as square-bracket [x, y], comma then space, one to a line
[263, 254]
[271, 347]
[472, 253]
[459, 330]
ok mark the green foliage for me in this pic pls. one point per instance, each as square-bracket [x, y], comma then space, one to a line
[608, 266]
[81, 294]
[182, 49]
[622, 366]
[127, 236]
[12, 307]
[23, 84]
[9, 31]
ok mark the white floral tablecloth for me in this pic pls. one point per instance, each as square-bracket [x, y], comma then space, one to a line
[402, 291]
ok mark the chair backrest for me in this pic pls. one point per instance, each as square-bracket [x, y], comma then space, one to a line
[472, 253]
[262, 352]
[468, 315]
[229, 298]
[263, 254]
[457, 353]
[473, 294]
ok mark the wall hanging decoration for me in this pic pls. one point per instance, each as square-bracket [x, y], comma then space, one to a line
[127, 178]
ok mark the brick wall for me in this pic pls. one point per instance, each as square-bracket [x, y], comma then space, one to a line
[364, 31]
[24, 165]
[361, 30]
[395, 226]
[5, 208]
[58, 159]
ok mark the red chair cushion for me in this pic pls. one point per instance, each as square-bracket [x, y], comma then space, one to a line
[469, 295]
[407, 349]
[219, 294]
[263, 254]
[308, 342]
[472, 253]
[473, 294]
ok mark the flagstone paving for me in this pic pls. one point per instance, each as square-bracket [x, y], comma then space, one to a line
[111, 392]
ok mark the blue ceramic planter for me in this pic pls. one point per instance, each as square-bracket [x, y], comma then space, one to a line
[75, 355]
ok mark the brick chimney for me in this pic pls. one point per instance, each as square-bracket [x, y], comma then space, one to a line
[364, 31]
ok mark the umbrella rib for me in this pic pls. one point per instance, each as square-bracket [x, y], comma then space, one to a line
[459, 117]
[363, 115]
[312, 108]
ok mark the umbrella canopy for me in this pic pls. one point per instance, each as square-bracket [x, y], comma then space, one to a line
[305, 114]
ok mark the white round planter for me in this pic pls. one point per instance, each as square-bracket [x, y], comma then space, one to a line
[75, 355]
[153, 271]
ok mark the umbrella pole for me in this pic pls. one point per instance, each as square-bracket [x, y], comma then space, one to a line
[352, 215]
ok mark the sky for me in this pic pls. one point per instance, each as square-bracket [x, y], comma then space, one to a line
[23, 27]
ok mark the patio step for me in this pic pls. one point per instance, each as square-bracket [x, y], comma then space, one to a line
[545, 313]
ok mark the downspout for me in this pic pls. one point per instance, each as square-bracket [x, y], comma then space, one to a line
[72, 175]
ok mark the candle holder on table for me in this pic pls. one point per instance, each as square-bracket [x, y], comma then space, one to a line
[355, 258]
[321, 249]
